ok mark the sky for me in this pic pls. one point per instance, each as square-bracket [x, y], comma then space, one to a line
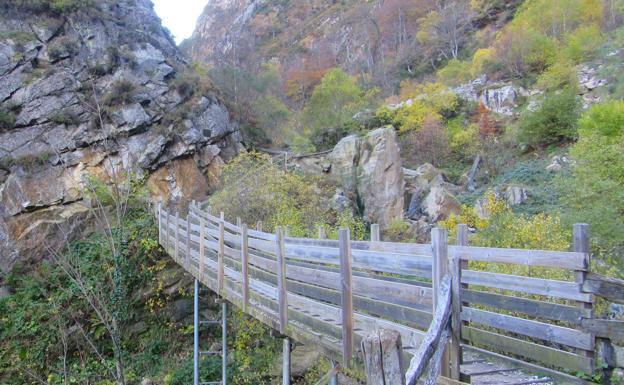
[179, 16]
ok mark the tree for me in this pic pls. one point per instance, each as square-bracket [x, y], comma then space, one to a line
[554, 121]
[334, 101]
[446, 29]
[594, 194]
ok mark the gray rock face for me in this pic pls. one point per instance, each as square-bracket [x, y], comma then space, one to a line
[369, 169]
[91, 95]
[431, 198]
[501, 100]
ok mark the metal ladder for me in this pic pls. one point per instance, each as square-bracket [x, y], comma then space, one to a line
[196, 352]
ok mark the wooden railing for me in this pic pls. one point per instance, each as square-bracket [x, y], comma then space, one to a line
[333, 293]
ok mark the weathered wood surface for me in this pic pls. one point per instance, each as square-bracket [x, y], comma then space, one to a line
[611, 289]
[611, 329]
[214, 251]
[427, 347]
[346, 298]
[383, 358]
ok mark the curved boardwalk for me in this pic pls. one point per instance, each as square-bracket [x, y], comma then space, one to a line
[333, 293]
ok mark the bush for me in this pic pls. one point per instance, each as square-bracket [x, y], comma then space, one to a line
[255, 189]
[455, 73]
[334, 101]
[560, 75]
[398, 231]
[594, 193]
[122, 92]
[582, 44]
[552, 122]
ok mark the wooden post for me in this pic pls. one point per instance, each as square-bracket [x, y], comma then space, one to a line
[188, 242]
[346, 295]
[375, 232]
[167, 224]
[580, 234]
[245, 266]
[383, 358]
[176, 239]
[457, 264]
[202, 251]
[321, 232]
[280, 253]
[439, 245]
[238, 222]
[221, 255]
[259, 225]
[160, 237]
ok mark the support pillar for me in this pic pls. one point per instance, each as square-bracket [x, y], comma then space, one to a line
[196, 334]
[224, 343]
[286, 361]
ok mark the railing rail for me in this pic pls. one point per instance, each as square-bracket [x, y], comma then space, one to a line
[332, 293]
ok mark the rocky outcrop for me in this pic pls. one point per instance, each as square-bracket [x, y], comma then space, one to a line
[97, 96]
[431, 198]
[369, 170]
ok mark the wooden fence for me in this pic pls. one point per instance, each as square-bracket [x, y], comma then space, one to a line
[333, 293]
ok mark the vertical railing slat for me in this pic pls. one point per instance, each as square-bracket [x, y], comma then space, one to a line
[245, 265]
[202, 246]
[188, 242]
[221, 255]
[176, 254]
[344, 243]
[374, 229]
[580, 235]
[439, 246]
[280, 253]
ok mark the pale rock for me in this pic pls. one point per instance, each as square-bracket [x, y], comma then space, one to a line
[515, 195]
[439, 204]
[501, 100]
[132, 116]
[339, 202]
[369, 169]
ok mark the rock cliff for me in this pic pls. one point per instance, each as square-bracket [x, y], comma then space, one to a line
[91, 89]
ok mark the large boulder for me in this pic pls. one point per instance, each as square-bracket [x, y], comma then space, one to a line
[369, 170]
[431, 198]
[502, 99]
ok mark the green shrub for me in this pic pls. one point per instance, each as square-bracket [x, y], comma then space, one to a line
[398, 231]
[455, 72]
[121, 92]
[560, 75]
[554, 121]
[583, 43]
[594, 193]
[334, 101]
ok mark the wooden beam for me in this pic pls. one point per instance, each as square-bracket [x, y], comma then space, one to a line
[374, 229]
[280, 252]
[383, 358]
[202, 247]
[221, 254]
[611, 289]
[439, 247]
[347, 296]
[245, 266]
[580, 236]
[177, 236]
[611, 329]
[187, 242]
[457, 264]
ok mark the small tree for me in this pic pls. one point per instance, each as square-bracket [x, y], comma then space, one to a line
[553, 122]
[334, 101]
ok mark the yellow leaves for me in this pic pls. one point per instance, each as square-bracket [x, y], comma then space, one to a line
[479, 60]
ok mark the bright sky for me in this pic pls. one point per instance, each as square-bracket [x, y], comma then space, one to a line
[179, 16]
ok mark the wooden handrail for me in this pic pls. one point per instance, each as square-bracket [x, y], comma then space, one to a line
[435, 339]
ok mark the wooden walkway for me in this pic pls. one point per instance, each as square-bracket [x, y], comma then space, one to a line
[333, 293]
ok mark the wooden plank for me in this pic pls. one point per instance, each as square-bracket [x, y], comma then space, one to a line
[440, 322]
[558, 259]
[159, 213]
[281, 279]
[539, 286]
[347, 296]
[415, 249]
[500, 359]
[530, 307]
[439, 246]
[580, 236]
[374, 229]
[611, 289]
[177, 236]
[187, 242]
[543, 354]
[418, 266]
[383, 358]
[221, 254]
[611, 329]
[245, 267]
[168, 224]
[530, 328]
[202, 247]
[455, 355]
